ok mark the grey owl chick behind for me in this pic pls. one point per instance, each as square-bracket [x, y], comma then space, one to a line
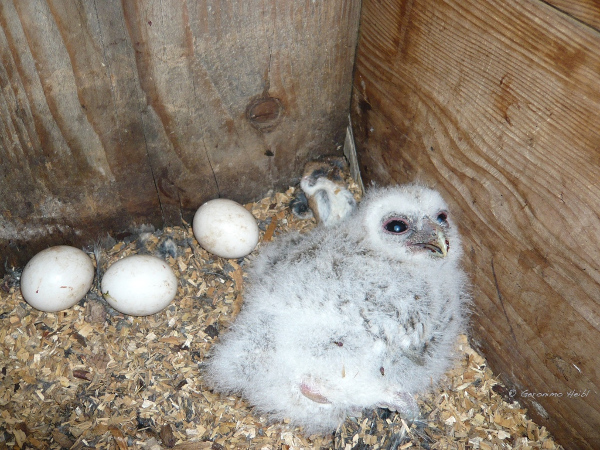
[363, 314]
[324, 192]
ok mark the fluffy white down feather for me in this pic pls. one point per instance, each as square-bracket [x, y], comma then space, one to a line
[347, 317]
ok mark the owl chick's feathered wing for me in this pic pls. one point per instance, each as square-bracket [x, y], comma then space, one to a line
[343, 318]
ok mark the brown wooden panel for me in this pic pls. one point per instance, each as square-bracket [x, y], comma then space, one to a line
[585, 11]
[114, 114]
[496, 104]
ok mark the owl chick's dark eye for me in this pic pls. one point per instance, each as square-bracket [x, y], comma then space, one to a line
[442, 218]
[395, 226]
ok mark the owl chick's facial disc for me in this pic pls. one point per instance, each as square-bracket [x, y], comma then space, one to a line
[421, 235]
[416, 223]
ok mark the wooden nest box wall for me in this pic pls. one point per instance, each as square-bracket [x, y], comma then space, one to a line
[118, 114]
[497, 105]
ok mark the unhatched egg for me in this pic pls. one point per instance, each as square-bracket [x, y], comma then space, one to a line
[139, 285]
[57, 278]
[225, 228]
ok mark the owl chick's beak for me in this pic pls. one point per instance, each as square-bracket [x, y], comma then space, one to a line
[438, 245]
[433, 238]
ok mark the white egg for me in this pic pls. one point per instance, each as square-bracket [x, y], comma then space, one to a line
[139, 285]
[57, 278]
[225, 228]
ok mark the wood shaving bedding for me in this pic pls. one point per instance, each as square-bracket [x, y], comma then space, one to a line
[91, 377]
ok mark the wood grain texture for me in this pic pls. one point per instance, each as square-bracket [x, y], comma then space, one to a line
[114, 114]
[496, 104]
[585, 11]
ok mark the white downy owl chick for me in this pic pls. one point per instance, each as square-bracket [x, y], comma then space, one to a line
[325, 190]
[360, 315]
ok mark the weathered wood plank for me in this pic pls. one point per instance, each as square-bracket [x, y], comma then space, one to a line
[58, 181]
[115, 114]
[585, 11]
[496, 105]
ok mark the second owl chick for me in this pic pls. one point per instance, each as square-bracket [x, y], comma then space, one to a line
[325, 191]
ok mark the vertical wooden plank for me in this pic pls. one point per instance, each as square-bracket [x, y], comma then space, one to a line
[58, 180]
[496, 105]
[99, 54]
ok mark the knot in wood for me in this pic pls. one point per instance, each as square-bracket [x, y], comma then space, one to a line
[264, 113]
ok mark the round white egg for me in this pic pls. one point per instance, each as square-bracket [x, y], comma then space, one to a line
[225, 228]
[139, 285]
[57, 278]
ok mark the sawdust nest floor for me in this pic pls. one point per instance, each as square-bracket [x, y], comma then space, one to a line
[90, 377]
